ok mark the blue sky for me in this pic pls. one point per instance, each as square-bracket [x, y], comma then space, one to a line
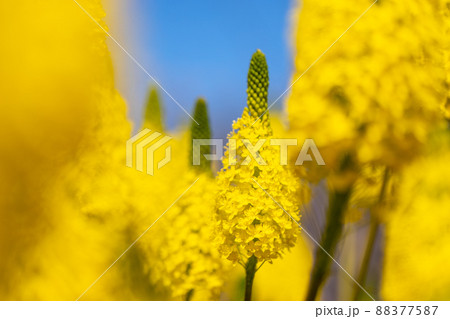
[202, 48]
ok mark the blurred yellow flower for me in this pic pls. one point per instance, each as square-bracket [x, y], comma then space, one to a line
[417, 250]
[187, 263]
[287, 279]
[444, 11]
[65, 126]
[375, 93]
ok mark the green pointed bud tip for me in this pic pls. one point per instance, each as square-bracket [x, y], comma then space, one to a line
[201, 131]
[257, 84]
[153, 113]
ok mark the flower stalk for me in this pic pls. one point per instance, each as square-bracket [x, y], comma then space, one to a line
[250, 271]
[333, 230]
[338, 204]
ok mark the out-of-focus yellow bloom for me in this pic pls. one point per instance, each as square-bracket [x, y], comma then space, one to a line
[445, 16]
[375, 94]
[248, 221]
[183, 259]
[287, 279]
[372, 190]
[72, 207]
[417, 251]
[64, 129]
[154, 195]
[187, 263]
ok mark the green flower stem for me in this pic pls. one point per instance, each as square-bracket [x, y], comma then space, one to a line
[333, 230]
[373, 231]
[250, 271]
[189, 295]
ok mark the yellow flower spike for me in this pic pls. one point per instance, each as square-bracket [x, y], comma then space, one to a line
[250, 228]
[186, 261]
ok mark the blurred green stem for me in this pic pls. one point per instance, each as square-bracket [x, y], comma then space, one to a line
[374, 226]
[189, 295]
[373, 231]
[250, 270]
[330, 238]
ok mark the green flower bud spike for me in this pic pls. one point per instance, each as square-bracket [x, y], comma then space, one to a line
[201, 131]
[257, 87]
[153, 112]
